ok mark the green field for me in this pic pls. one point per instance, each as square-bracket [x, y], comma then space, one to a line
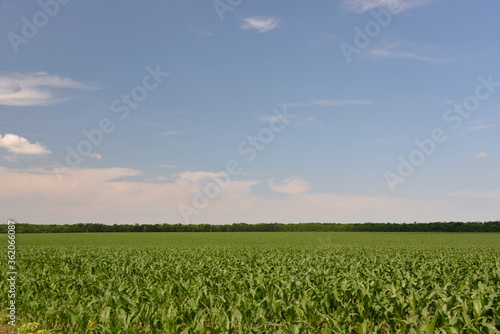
[303, 282]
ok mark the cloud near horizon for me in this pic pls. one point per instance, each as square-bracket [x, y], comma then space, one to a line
[468, 194]
[290, 186]
[105, 196]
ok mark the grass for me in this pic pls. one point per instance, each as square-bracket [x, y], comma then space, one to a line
[259, 282]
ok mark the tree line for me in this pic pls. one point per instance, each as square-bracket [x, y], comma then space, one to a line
[491, 226]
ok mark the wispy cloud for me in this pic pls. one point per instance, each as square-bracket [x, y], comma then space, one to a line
[20, 145]
[170, 133]
[291, 186]
[327, 103]
[335, 103]
[481, 127]
[481, 156]
[260, 23]
[396, 6]
[403, 50]
[202, 32]
[306, 121]
[34, 89]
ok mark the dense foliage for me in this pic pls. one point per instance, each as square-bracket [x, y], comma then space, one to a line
[493, 226]
[260, 282]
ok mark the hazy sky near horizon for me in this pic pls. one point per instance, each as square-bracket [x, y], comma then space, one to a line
[151, 111]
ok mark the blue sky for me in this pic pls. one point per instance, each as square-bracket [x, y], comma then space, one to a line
[317, 110]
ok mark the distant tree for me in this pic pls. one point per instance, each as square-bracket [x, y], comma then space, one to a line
[492, 226]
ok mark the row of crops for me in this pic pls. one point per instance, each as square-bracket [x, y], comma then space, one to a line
[261, 289]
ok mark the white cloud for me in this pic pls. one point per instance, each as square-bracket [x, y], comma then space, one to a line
[481, 156]
[260, 23]
[96, 156]
[400, 49]
[291, 186]
[34, 89]
[396, 6]
[20, 145]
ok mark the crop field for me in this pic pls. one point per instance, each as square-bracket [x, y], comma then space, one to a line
[258, 282]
